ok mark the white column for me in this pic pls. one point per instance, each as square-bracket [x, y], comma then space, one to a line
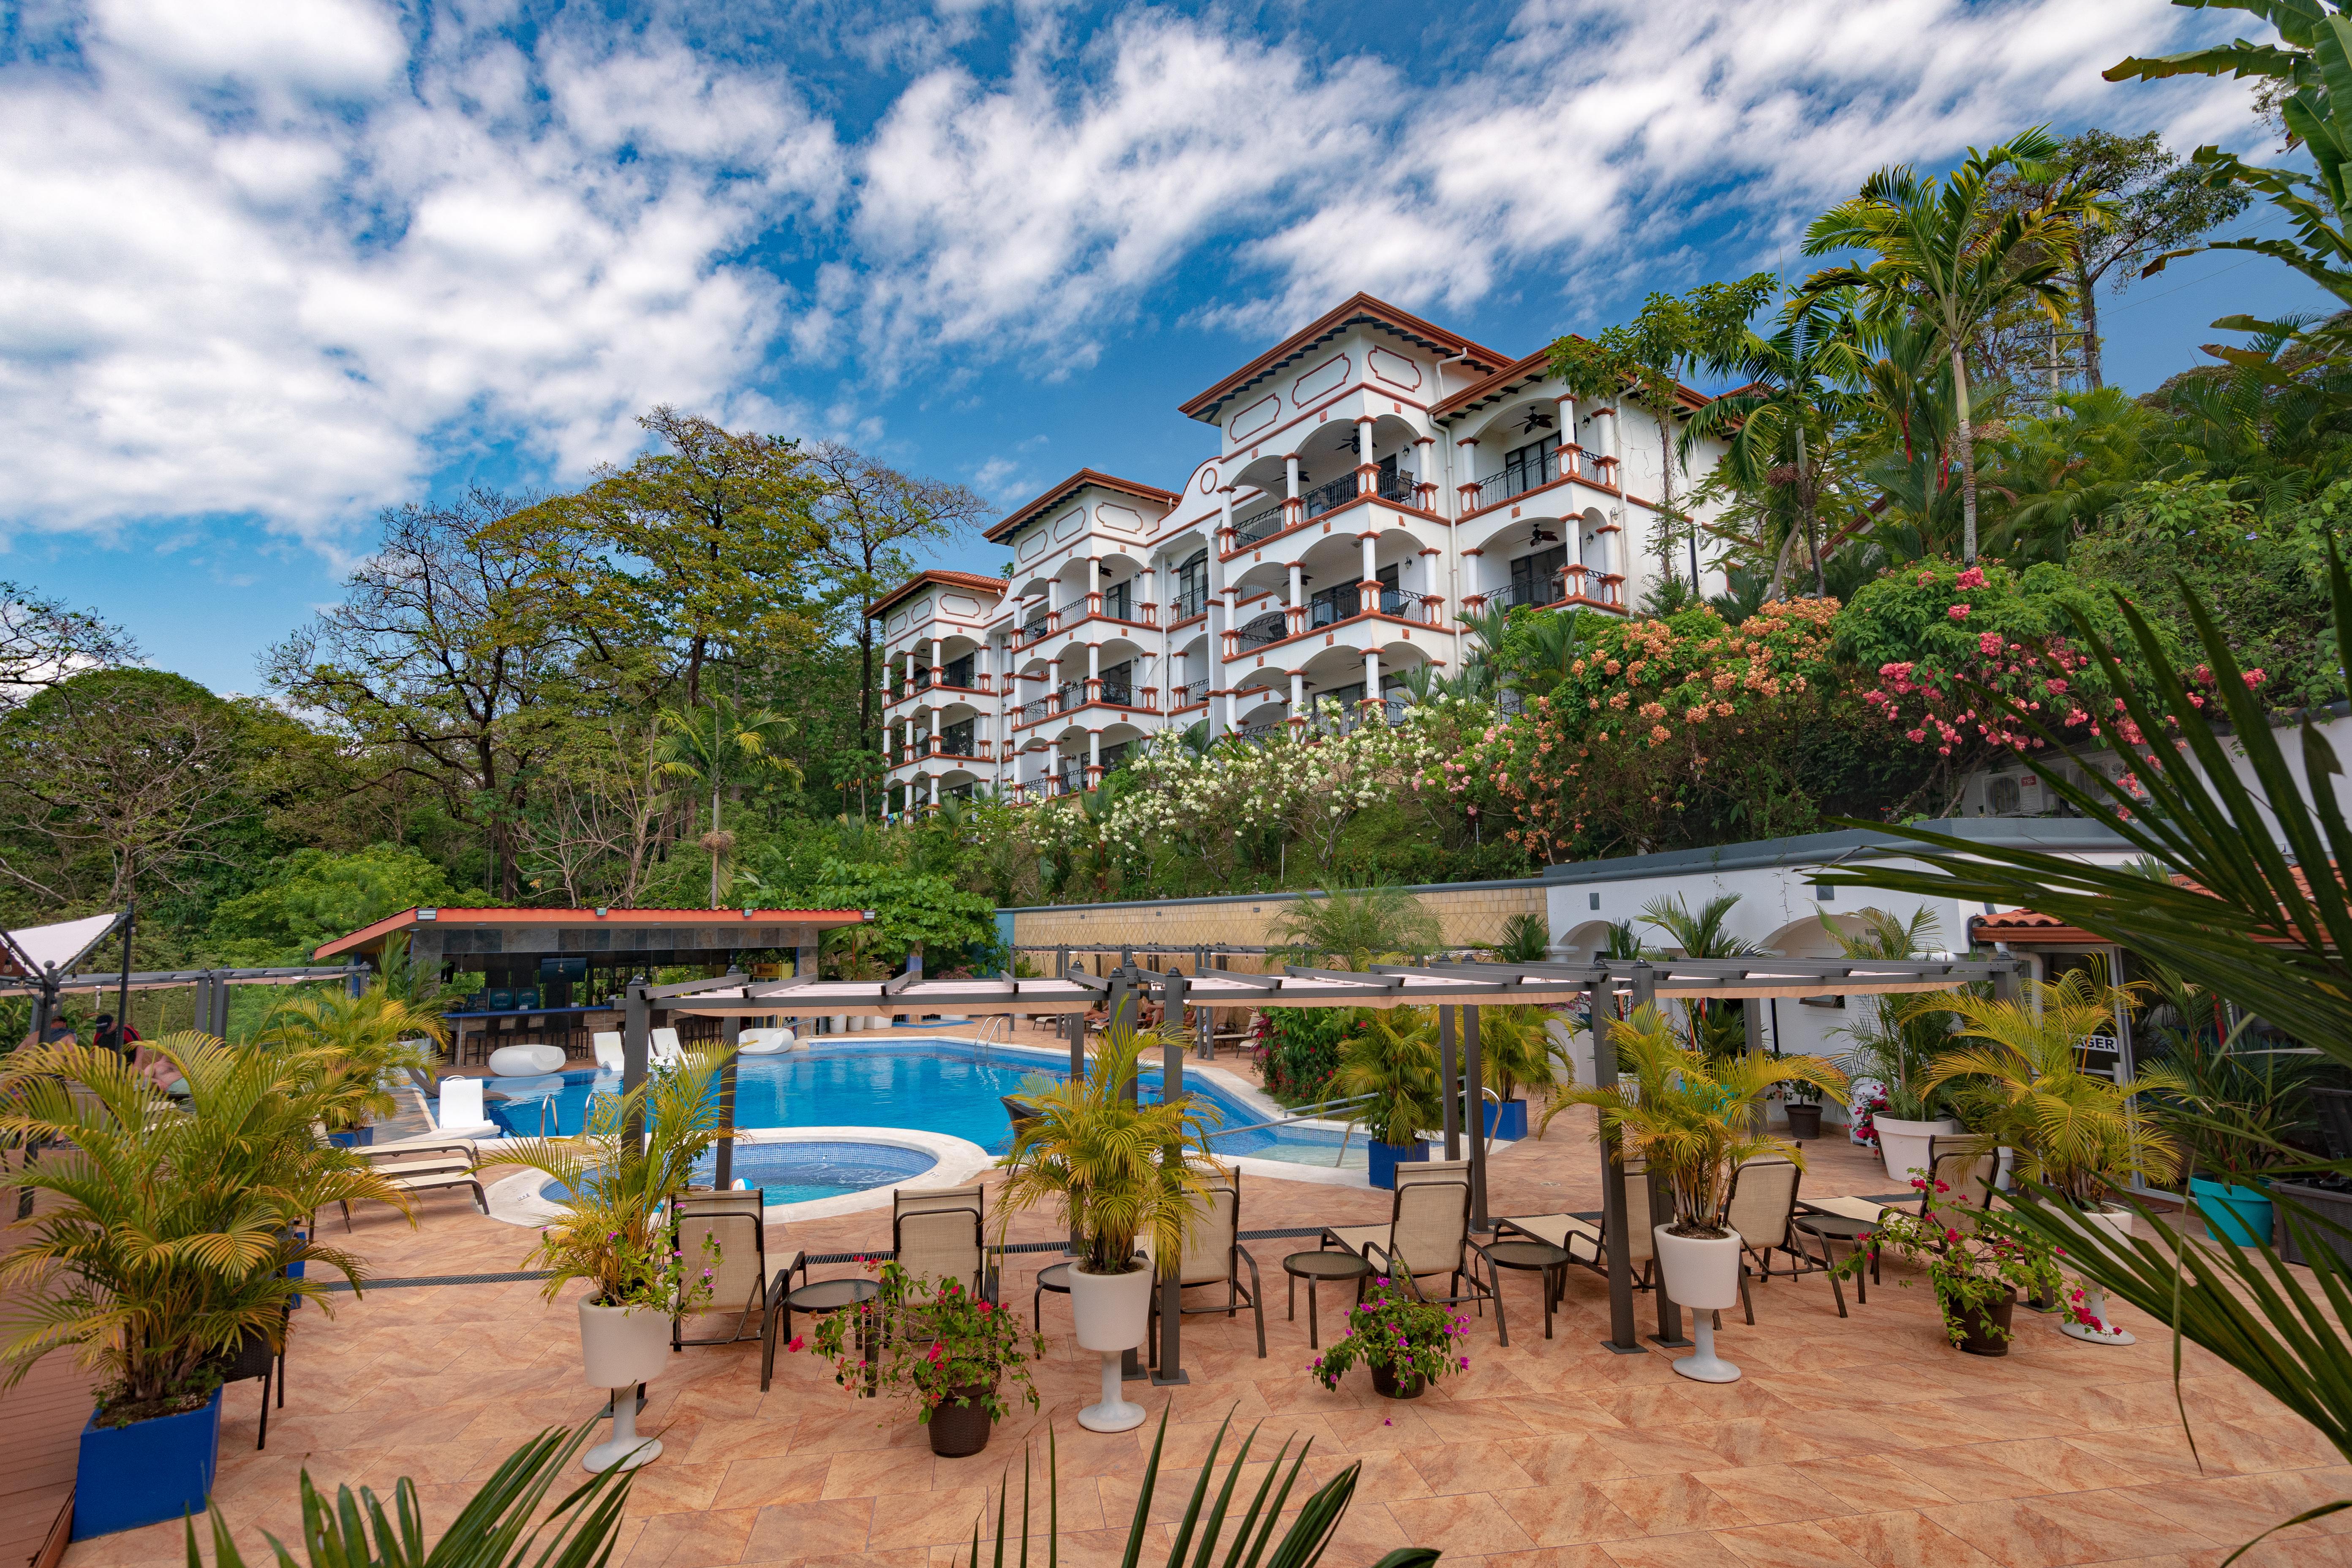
[938, 657]
[1297, 615]
[1093, 755]
[1371, 675]
[1094, 584]
[1297, 697]
[1567, 441]
[1094, 671]
[1371, 564]
[1368, 474]
[1290, 489]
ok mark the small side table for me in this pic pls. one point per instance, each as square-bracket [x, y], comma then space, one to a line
[1334, 1266]
[1539, 1257]
[1827, 1228]
[816, 1300]
[1056, 1279]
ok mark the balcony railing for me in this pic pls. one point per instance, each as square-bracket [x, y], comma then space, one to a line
[1336, 604]
[1190, 602]
[1191, 695]
[1258, 525]
[1521, 478]
[1391, 485]
[956, 739]
[1122, 693]
[1267, 629]
[1325, 496]
[1535, 591]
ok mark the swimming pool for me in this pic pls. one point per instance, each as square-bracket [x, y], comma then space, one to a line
[928, 1086]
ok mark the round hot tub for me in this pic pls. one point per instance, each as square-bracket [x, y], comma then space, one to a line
[806, 1171]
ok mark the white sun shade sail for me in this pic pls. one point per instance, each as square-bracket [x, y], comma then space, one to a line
[61, 946]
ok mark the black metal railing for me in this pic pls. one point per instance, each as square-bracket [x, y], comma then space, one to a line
[1258, 525]
[1189, 695]
[1267, 629]
[1324, 497]
[1120, 691]
[1396, 487]
[956, 739]
[1544, 590]
[1190, 602]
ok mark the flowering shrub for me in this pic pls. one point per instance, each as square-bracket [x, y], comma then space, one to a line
[1403, 1336]
[932, 1342]
[1971, 1267]
[1300, 1050]
[1658, 719]
[1930, 642]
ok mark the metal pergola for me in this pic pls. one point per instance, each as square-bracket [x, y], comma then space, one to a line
[211, 986]
[1604, 986]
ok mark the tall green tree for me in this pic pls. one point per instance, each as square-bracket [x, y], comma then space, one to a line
[451, 660]
[2155, 201]
[42, 642]
[2309, 64]
[869, 515]
[1794, 394]
[1644, 357]
[721, 740]
[1942, 251]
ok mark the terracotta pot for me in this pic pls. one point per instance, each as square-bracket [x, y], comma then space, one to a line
[1984, 1330]
[1112, 1311]
[1388, 1385]
[621, 1347]
[958, 1430]
[1701, 1272]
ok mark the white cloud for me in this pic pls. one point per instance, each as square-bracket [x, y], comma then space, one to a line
[286, 258]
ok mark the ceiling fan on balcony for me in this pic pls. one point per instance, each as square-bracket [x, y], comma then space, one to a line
[1536, 420]
[1539, 534]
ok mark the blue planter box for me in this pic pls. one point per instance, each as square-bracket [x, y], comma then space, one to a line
[147, 1472]
[1387, 1157]
[357, 1138]
[1507, 1121]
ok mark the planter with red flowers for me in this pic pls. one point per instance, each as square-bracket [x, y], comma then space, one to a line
[1407, 1342]
[1977, 1269]
[960, 1358]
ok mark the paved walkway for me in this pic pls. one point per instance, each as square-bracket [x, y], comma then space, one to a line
[1863, 1442]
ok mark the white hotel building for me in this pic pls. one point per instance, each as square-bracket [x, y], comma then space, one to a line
[1375, 476]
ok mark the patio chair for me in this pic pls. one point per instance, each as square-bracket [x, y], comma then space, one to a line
[1763, 1201]
[1428, 1234]
[1968, 1167]
[255, 1358]
[935, 1233]
[766, 1042]
[667, 1051]
[1213, 1254]
[609, 1055]
[737, 1222]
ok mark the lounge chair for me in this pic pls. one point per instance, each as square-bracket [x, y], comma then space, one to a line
[765, 1042]
[255, 1358]
[1213, 1254]
[1572, 1234]
[1968, 1170]
[935, 1233]
[460, 1114]
[667, 1051]
[737, 1222]
[610, 1057]
[1428, 1234]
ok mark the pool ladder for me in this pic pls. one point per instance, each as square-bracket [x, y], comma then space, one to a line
[990, 1030]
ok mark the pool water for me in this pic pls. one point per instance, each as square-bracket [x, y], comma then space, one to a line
[803, 1172]
[921, 1085]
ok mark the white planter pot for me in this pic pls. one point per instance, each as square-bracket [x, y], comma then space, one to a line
[1113, 1311]
[621, 1347]
[1904, 1144]
[1702, 1273]
[2116, 1222]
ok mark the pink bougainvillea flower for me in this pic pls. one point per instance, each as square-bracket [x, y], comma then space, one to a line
[1957, 611]
[796, 1342]
[1973, 577]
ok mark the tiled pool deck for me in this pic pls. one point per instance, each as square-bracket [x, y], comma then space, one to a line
[1852, 1442]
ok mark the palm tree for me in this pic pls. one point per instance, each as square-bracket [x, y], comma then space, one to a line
[1359, 929]
[1778, 427]
[702, 749]
[1895, 1040]
[1690, 1116]
[2080, 1132]
[1525, 940]
[1393, 1058]
[354, 1043]
[1704, 935]
[1943, 253]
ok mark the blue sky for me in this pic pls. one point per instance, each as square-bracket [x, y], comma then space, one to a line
[271, 266]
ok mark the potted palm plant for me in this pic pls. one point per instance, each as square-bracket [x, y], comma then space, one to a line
[1693, 1118]
[2078, 1133]
[175, 1232]
[1120, 1170]
[355, 1043]
[1516, 1051]
[2230, 1110]
[613, 1187]
[1393, 1058]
